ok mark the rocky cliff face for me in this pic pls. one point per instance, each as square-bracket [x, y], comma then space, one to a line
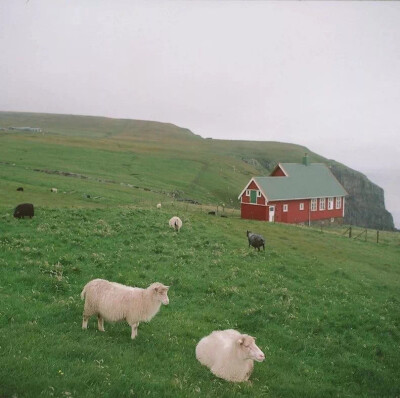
[365, 205]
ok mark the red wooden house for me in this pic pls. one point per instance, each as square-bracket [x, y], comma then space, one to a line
[294, 193]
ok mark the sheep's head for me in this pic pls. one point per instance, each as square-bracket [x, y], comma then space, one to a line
[248, 233]
[160, 292]
[249, 349]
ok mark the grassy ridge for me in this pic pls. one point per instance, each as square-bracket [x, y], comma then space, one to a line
[150, 155]
[324, 308]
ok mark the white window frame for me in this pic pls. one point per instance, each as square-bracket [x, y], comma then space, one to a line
[258, 194]
[301, 206]
[338, 202]
[322, 203]
[285, 208]
[247, 192]
[313, 204]
[330, 203]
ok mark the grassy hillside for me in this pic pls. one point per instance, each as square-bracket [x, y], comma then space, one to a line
[324, 308]
[148, 155]
[112, 156]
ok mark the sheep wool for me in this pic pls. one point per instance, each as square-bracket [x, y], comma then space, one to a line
[176, 223]
[229, 354]
[114, 302]
[256, 240]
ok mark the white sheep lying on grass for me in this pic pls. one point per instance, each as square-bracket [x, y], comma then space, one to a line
[158, 205]
[115, 302]
[176, 223]
[229, 354]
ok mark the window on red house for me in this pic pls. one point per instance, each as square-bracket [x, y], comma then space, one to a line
[313, 204]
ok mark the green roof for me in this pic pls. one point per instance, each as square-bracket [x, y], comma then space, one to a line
[312, 181]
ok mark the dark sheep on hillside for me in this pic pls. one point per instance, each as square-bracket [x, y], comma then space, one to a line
[20, 189]
[24, 210]
[212, 213]
[256, 240]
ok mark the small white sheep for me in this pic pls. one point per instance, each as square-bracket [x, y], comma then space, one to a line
[158, 205]
[115, 302]
[176, 223]
[54, 190]
[229, 354]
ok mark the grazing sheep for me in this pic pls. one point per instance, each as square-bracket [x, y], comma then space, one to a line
[54, 190]
[158, 205]
[115, 302]
[229, 354]
[24, 210]
[176, 223]
[256, 240]
[211, 213]
[20, 189]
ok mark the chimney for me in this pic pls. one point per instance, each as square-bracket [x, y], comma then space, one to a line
[306, 160]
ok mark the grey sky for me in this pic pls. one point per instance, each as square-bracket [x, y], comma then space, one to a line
[321, 74]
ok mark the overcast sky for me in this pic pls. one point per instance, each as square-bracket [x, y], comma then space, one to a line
[321, 74]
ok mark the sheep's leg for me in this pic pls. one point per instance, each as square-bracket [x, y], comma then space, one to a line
[134, 330]
[100, 323]
[85, 321]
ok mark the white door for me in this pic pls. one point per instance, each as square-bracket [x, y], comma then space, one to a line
[271, 213]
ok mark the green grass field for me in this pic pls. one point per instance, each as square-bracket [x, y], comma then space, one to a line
[324, 308]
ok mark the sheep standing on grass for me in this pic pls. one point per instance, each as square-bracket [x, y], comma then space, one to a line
[158, 205]
[115, 302]
[24, 210]
[256, 240]
[229, 354]
[176, 223]
[54, 190]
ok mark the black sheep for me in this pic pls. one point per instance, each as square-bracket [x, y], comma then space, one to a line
[24, 210]
[256, 240]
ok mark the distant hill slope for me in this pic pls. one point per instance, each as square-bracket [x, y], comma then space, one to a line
[159, 157]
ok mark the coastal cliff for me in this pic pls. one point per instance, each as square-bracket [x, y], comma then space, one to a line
[365, 205]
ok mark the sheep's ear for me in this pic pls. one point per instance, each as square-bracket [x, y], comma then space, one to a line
[240, 341]
[156, 289]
